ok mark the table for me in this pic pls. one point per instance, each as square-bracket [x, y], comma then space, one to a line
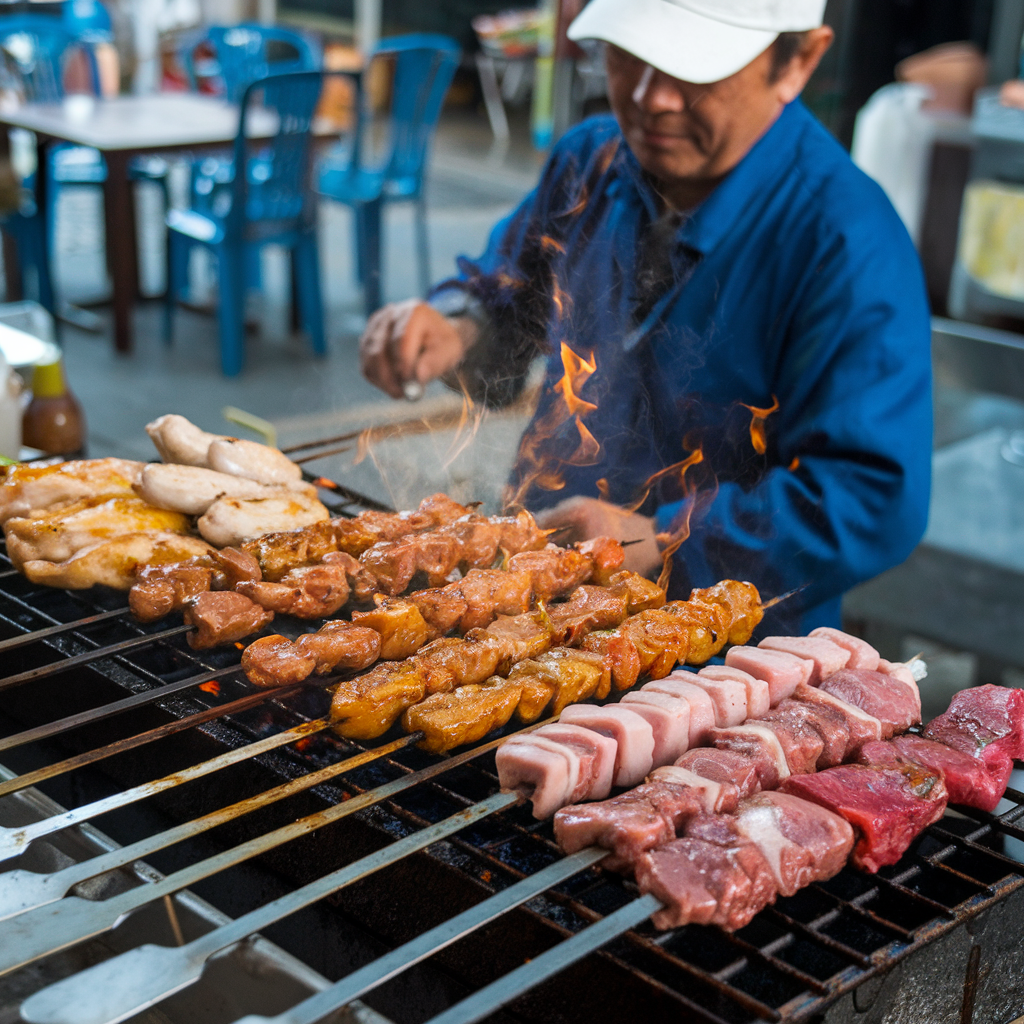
[121, 128]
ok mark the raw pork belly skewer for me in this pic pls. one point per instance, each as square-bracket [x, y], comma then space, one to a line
[725, 867]
[758, 707]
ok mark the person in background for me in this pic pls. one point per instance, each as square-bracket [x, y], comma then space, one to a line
[733, 317]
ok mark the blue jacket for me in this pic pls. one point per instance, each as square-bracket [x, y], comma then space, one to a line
[794, 282]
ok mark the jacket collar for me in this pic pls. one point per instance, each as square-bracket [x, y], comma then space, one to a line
[767, 163]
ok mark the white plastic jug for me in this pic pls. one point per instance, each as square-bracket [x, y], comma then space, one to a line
[10, 410]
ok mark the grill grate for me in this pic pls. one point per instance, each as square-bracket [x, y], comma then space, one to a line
[790, 963]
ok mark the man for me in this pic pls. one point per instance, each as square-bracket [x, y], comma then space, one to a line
[752, 302]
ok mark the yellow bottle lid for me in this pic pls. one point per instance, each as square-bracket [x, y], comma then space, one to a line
[48, 380]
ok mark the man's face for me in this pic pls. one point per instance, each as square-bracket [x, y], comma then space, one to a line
[683, 133]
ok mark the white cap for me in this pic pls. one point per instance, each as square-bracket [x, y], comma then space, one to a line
[695, 40]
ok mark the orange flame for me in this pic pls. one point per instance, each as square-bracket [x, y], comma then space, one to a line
[212, 686]
[541, 469]
[363, 446]
[552, 244]
[464, 438]
[758, 436]
[672, 540]
[794, 465]
[304, 743]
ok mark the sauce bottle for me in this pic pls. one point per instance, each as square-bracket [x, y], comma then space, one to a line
[53, 421]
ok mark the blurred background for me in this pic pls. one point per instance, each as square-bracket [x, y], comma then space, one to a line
[399, 135]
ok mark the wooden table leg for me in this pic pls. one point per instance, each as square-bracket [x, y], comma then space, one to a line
[12, 266]
[119, 215]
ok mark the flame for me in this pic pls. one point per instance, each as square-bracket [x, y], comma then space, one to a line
[211, 686]
[363, 446]
[794, 465]
[241, 647]
[577, 372]
[329, 485]
[560, 298]
[304, 743]
[541, 469]
[589, 451]
[464, 438]
[671, 541]
[758, 436]
[552, 244]
[602, 489]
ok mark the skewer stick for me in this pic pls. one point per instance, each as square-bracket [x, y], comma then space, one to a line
[63, 627]
[783, 597]
[323, 455]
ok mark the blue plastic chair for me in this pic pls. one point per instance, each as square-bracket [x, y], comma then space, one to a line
[423, 68]
[36, 48]
[271, 204]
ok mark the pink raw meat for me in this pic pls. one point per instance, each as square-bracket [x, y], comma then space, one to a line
[898, 670]
[888, 807]
[969, 781]
[828, 723]
[543, 771]
[729, 697]
[632, 734]
[826, 656]
[862, 654]
[702, 708]
[761, 745]
[800, 742]
[717, 797]
[881, 696]
[759, 697]
[724, 766]
[863, 727]
[782, 672]
[984, 721]
[699, 883]
[602, 749]
[670, 721]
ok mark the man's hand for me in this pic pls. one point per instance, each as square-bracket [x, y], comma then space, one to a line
[589, 517]
[412, 341]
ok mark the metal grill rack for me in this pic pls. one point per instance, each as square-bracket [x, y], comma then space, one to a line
[426, 852]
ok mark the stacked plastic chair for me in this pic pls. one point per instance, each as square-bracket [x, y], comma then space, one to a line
[270, 204]
[423, 68]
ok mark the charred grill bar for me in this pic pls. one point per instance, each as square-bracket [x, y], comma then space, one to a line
[84, 685]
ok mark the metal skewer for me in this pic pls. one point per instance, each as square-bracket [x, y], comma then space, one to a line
[483, 1003]
[64, 627]
[14, 840]
[354, 985]
[22, 890]
[56, 667]
[49, 929]
[118, 988]
[323, 455]
[42, 732]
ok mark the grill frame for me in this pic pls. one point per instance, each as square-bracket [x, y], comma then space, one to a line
[639, 961]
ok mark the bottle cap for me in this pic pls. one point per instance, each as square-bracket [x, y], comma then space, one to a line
[48, 380]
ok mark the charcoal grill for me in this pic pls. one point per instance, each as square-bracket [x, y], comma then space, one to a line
[377, 864]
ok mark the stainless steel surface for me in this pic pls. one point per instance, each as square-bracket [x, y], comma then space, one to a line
[123, 986]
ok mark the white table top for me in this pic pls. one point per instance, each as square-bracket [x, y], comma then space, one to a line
[162, 120]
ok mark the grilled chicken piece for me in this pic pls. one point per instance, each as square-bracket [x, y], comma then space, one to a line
[553, 681]
[221, 617]
[279, 553]
[275, 660]
[113, 563]
[707, 631]
[463, 716]
[55, 535]
[229, 522]
[588, 608]
[233, 567]
[607, 556]
[27, 488]
[640, 593]
[451, 662]
[180, 441]
[742, 603]
[192, 489]
[162, 589]
[553, 570]
[492, 592]
[394, 563]
[253, 461]
[367, 706]
[437, 510]
[441, 607]
[403, 630]
[312, 592]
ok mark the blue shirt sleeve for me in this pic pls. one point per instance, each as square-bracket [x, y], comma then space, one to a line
[847, 495]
